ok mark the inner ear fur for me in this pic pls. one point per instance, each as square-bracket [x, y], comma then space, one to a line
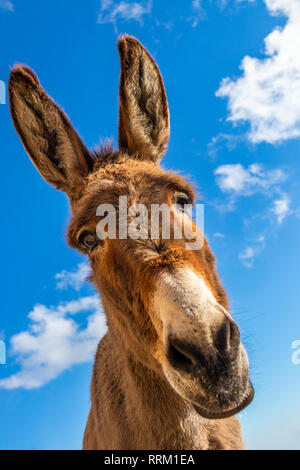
[144, 115]
[46, 133]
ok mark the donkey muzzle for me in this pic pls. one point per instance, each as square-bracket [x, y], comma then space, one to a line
[191, 356]
[205, 360]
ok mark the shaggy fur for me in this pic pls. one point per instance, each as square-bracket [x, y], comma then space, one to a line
[133, 403]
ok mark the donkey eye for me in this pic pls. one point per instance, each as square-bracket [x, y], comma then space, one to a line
[181, 201]
[89, 240]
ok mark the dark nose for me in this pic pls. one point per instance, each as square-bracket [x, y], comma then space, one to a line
[196, 352]
[228, 337]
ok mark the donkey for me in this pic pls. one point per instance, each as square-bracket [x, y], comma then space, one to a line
[171, 372]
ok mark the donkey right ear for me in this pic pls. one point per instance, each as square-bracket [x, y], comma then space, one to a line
[144, 113]
[47, 134]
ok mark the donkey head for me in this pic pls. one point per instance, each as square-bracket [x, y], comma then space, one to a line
[164, 302]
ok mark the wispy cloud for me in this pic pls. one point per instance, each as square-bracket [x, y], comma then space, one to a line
[247, 256]
[217, 143]
[6, 5]
[219, 235]
[112, 11]
[266, 222]
[267, 95]
[198, 13]
[237, 180]
[74, 279]
[281, 208]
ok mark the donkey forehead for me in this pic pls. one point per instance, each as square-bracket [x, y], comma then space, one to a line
[133, 172]
[140, 182]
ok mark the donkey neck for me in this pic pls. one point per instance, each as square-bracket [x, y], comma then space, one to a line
[157, 417]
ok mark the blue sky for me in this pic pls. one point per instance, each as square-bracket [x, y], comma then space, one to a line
[232, 74]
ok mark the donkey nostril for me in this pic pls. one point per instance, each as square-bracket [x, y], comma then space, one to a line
[235, 336]
[177, 358]
[223, 337]
[228, 336]
[185, 355]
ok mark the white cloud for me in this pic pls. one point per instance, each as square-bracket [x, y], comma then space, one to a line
[263, 222]
[261, 238]
[111, 11]
[238, 180]
[6, 5]
[219, 140]
[267, 95]
[281, 208]
[74, 279]
[235, 181]
[198, 13]
[54, 342]
[297, 212]
[247, 256]
[219, 235]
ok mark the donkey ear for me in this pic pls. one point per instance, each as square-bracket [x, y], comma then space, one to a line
[144, 114]
[47, 135]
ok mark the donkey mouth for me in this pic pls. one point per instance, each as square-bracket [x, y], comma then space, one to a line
[221, 414]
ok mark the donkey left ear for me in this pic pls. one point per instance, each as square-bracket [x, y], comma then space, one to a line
[51, 142]
[144, 126]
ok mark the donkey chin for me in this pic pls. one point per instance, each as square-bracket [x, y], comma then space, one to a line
[204, 360]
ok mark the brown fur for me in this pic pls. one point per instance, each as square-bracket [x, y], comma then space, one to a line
[133, 404]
